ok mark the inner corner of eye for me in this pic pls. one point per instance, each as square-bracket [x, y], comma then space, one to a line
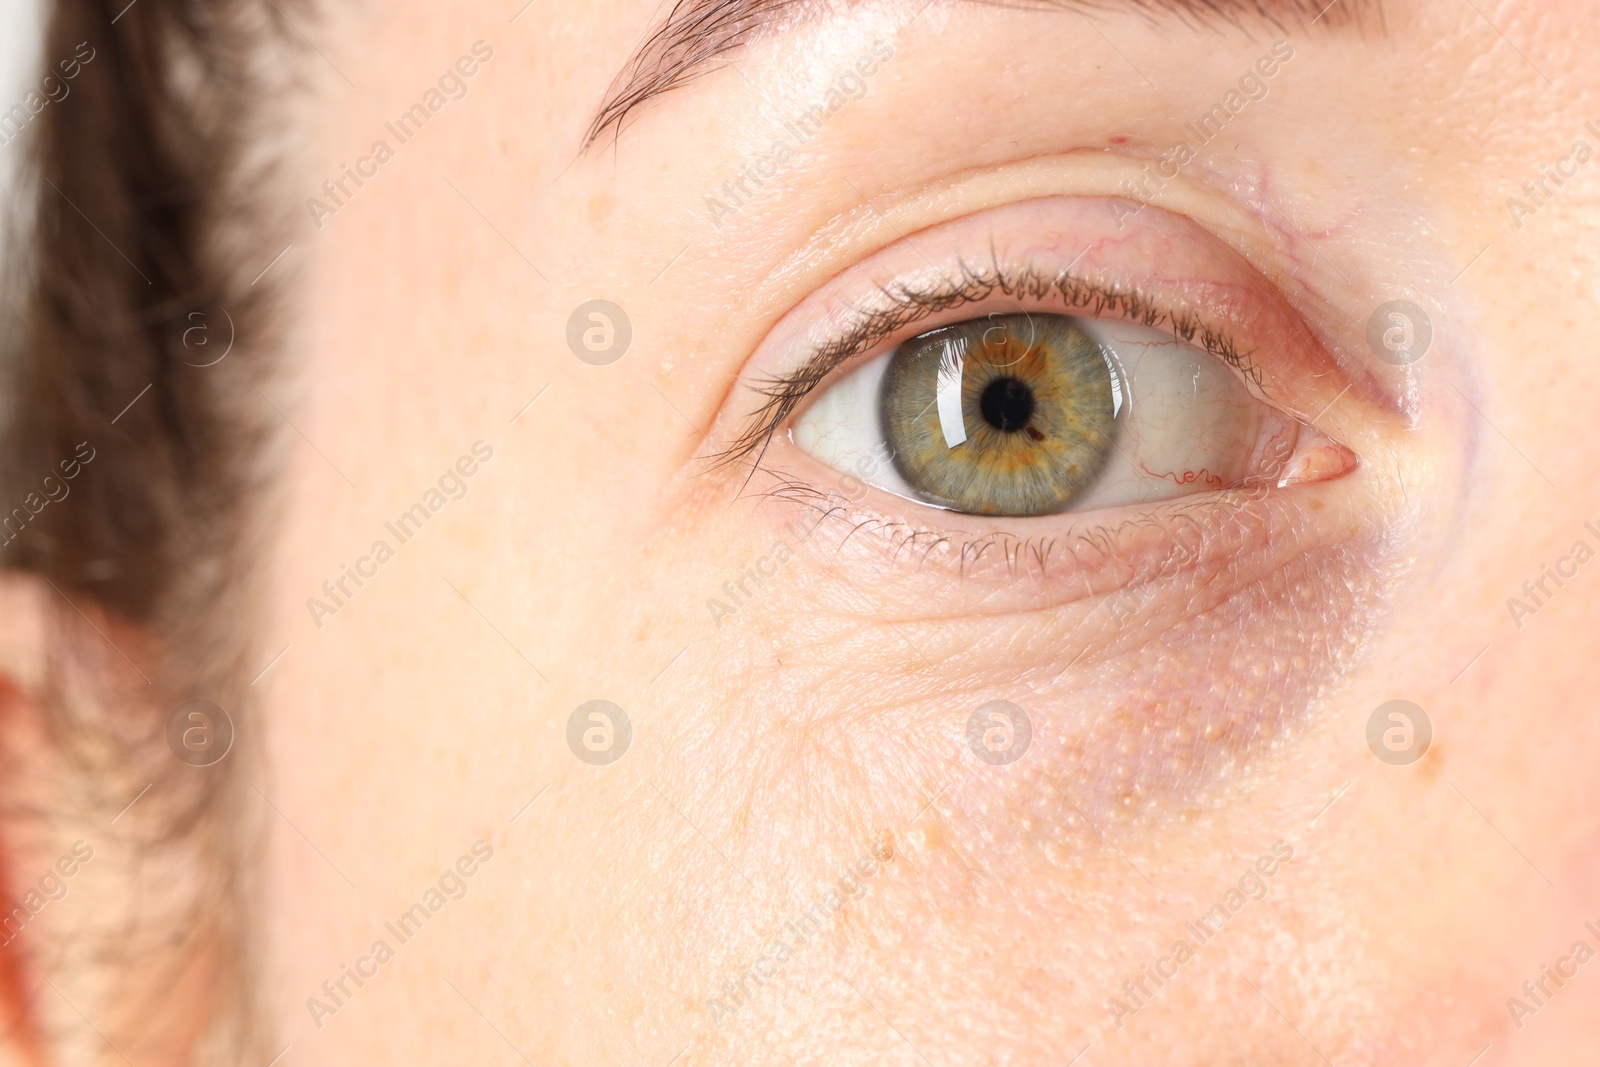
[1029, 413]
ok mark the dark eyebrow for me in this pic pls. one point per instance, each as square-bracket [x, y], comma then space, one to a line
[697, 31]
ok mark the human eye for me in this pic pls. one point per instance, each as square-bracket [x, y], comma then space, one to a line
[1043, 373]
[1031, 412]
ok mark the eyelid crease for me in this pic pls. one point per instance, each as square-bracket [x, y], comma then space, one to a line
[907, 304]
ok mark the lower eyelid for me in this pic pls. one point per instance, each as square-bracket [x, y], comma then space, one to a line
[970, 565]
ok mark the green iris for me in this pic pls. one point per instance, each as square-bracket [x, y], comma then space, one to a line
[1008, 415]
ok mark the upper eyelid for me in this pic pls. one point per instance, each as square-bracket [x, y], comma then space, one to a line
[907, 306]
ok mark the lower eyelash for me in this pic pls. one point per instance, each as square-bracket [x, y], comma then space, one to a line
[907, 305]
[1206, 516]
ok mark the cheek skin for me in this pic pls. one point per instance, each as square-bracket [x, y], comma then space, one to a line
[825, 715]
[820, 716]
[1141, 703]
[1150, 734]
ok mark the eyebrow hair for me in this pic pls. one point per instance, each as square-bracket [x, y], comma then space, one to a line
[696, 32]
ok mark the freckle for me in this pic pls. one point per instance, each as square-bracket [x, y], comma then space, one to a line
[1432, 762]
[599, 208]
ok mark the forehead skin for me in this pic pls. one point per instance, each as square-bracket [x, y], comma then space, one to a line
[822, 725]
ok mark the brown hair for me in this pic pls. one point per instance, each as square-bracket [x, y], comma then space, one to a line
[133, 268]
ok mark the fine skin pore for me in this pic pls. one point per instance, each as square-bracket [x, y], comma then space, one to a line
[813, 736]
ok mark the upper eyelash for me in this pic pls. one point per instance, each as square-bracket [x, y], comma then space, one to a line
[906, 304]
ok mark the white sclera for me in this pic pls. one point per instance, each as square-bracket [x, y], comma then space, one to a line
[1186, 422]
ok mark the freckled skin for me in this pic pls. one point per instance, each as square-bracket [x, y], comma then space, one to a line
[1198, 678]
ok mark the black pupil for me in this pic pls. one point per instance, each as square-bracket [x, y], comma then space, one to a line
[1006, 404]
